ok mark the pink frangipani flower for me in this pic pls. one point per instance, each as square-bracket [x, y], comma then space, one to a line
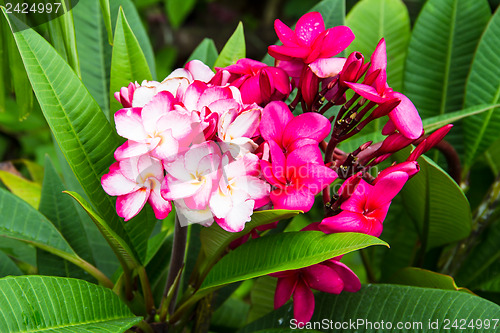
[135, 181]
[257, 82]
[289, 132]
[193, 176]
[156, 128]
[367, 207]
[239, 192]
[404, 117]
[296, 178]
[329, 276]
[310, 40]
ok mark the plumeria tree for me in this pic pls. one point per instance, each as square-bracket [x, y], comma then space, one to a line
[269, 190]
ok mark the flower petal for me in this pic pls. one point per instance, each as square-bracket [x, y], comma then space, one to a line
[406, 118]
[307, 125]
[161, 207]
[336, 40]
[327, 67]
[308, 27]
[275, 117]
[303, 303]
[386, 189]
[129, 205]
[114, 183]
[367, 92]
[129, 124]
[323, 278]
[284, 290]
[351, 281]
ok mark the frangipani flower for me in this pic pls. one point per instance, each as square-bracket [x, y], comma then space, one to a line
[367, 207]
[310, 40]
[135, 181]
[279, 125]
[176, 83]
[257, 82]
[156, 129]
[404, 117]
[193, 175]
[296, 178]
[329, 276]
[239, 192]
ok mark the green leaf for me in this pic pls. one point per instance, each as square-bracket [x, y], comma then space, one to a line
[7, 266]
[233, 50]
[483, 86]
[433, 123]
[371, 20]
[94, 51]
[177, 11]
[285, 251]
[24, 223]
[121, 249]
[135, 22]
[418, 277]
[61, 211]
[440, 53]
[62, 36]
[437, 205]
[35, 304]
[23, 188]
[390, 304]
[229, 315]
[21, 83]
[262, 297]
[106, 14]
[21, 221]
[439, 56]
[205, 52]
[85, 137]
[128, 63]
[215, 240]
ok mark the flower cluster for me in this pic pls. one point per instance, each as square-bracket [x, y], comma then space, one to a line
[220, 145]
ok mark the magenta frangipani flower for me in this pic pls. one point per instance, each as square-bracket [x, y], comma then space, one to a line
[296, 178]
[330, 276]
[289, 132]
[404, 117]
[135, 181]
[309, 42]
[257, 82]
[367, 207]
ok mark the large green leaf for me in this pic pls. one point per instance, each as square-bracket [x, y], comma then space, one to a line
[483, 86]
[215, 240]
[418, 277]
[128, 63]
[285, 251]
[440, 52]
[437, 205]
[106, 14]
[61, 211]
[7, 266]
[22, 222]
[94, 51]
[206, 52]
[83, 133]
[233, 50]
[262, 298]
[35, 304]
[122, 250]
[433, 123]
[135, 22]
[371, 20]
[391, 304]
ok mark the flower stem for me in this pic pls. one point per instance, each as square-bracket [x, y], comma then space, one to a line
[176, 263]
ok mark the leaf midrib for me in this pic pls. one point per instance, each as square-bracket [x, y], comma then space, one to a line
[448, 60]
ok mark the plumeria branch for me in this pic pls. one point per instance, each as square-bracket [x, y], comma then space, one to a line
[176, 263]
